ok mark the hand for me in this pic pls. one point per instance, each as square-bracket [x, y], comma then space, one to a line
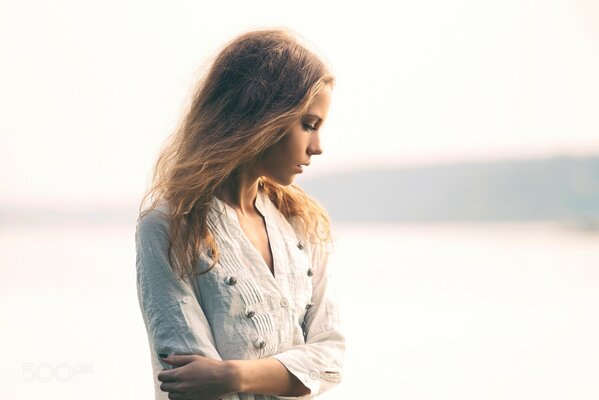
[196, 377]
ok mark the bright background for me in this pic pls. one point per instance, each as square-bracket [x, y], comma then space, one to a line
[90, 90]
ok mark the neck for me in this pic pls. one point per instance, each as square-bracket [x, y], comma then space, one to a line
[239, 191]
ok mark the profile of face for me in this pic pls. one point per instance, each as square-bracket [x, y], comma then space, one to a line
[286, 158]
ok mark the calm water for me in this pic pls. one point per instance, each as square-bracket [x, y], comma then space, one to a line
[431, 312]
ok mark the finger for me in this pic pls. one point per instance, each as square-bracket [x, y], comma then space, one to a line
[178, 360]
[166, 375]
[170, 387]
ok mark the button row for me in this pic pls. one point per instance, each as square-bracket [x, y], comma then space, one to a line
[284, 303]
[251, 313]
[231, 280]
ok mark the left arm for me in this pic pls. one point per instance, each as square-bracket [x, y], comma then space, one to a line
[318, 363]
[266, 376]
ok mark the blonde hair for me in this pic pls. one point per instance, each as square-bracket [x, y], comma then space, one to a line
[257, 86]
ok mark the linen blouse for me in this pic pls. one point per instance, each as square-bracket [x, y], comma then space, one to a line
[239, 310]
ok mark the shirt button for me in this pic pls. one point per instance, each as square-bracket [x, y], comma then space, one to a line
[186, 299]
[250, 314]
[260, 343]
[230, 280]
[300, 245]
[310, 272]
[284, 303]
[309, 305]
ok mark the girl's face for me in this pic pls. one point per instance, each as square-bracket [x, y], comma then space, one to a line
[286, 158]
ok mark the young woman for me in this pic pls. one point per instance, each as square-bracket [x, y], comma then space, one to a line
[231, 263]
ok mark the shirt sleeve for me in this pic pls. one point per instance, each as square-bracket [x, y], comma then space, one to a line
[318, 363]
[174, 319]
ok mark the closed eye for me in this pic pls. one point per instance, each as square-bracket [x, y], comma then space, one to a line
[309, 127]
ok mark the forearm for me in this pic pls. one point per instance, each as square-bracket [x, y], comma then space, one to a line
[266, 376]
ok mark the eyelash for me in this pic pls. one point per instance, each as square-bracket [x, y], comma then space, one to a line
[309, 127]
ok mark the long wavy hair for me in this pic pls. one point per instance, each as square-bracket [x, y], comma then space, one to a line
[257, 86]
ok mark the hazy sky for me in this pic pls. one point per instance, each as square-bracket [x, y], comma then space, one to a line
[89, 90]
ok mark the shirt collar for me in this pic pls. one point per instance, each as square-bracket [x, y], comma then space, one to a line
[219, 207]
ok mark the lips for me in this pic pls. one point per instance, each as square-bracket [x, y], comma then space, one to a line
[300, 167]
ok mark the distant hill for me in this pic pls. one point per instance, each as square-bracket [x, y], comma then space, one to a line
[561, 188]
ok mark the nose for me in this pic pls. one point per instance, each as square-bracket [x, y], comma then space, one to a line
[314, 147]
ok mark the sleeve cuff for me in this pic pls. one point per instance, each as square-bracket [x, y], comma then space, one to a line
[313, 379]
[310, 378]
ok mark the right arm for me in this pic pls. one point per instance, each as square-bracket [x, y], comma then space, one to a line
[174, 320]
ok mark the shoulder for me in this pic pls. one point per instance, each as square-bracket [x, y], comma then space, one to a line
[152, 239]
[154, 222]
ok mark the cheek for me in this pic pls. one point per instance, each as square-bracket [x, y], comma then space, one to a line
[275, 156]
[296, 142]
[285, 151]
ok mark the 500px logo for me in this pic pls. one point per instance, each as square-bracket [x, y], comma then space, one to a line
[62, 372]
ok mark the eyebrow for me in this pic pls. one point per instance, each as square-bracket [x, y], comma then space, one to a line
[313, 115]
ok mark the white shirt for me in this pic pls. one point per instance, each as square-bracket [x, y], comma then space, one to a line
[239, 310]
